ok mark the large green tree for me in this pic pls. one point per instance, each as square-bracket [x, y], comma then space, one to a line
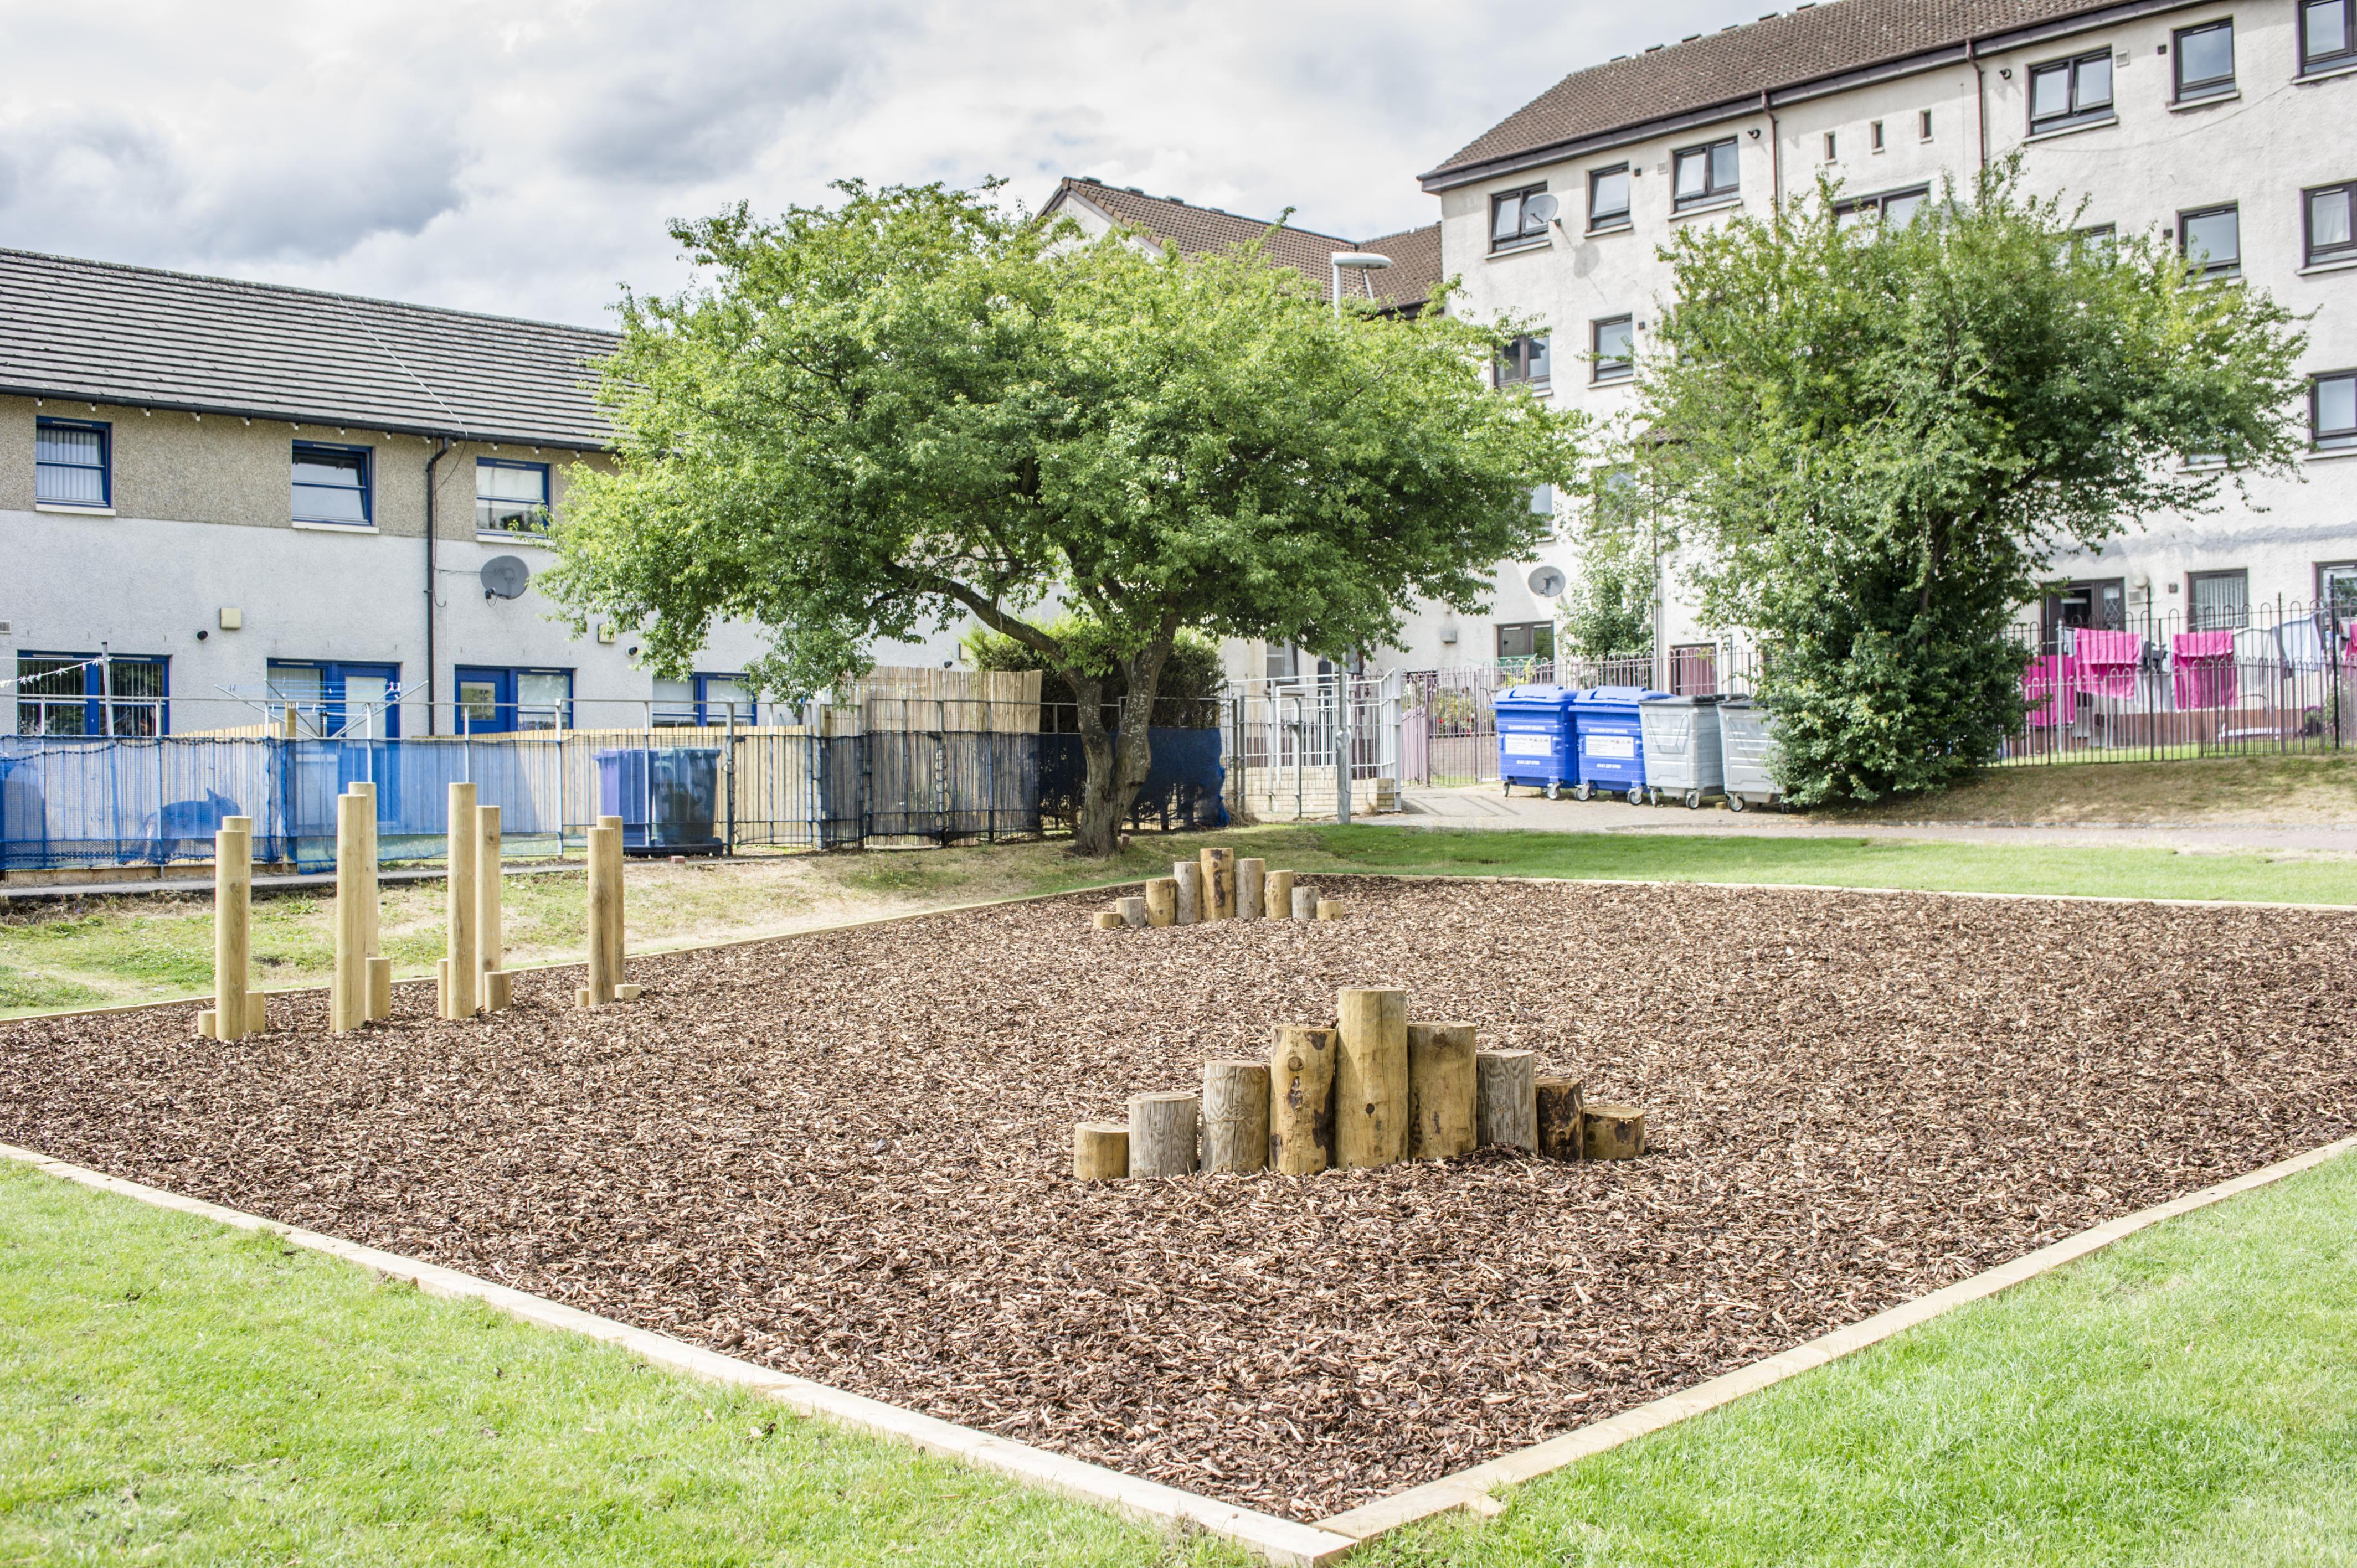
[1881, 434]
[918, 406]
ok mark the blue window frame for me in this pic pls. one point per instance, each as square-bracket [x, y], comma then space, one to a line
[703, 698]
[73, 463]
[331, 484]
[73, 693]
[511, 497]
[334, 699]
[495, 700]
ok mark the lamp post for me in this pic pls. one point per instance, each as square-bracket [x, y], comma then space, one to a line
[1357, 262]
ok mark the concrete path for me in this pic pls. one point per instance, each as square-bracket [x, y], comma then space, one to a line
[1485, 806]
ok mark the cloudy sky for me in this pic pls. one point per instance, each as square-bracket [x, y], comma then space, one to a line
[523, 159]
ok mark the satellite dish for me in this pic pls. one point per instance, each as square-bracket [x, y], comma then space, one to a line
[1547, 582]
[1542, 207]
[504, 577]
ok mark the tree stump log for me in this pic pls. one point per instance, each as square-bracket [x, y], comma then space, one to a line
[1108, 920]
[1507, 1084]
[1561, 1135]
[1370, 1077]
[1613, 1131]
[1302, 1098]
[1162, 902]
[1440, 1085]
[1131, 911]
[1330, 910]
[1305, 904]
[1235, 1116]
[1252, 888]
[1162, 1128]
[1277, 899]
[1189, 876]
[1100, 1151]
[1218, 883]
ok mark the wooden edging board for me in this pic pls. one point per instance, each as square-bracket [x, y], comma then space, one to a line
[1280, 1540]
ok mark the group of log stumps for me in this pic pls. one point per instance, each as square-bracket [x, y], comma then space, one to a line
[1216, 886]
[1374, 1087]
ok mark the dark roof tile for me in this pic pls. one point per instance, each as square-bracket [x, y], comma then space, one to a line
[1415, 254]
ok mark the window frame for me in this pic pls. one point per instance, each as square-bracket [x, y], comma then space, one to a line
[367, 486]
[2345, 250]
[1524, 240]
[2213, 87]
[2075, 116]
[104, 431]
[2333, 60]
[1712, 194]
[95, 677]
[2319, 440]
[1923, 124]
[2326, 571]
[2192, 612]
[1534, 627]
[1874, 137]
[329, 713]
[547, 499]
[1518, 353]
[1626, 367]
[2210, 271]
[1832, 148]
[1626, 218]
[506, 698]
[1880, 201]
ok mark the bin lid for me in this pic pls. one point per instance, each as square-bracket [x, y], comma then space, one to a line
[1537, 696]
[1686, 699]
[1620, 696]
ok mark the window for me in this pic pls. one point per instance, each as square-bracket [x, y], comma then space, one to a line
[2328, 214]
[333, 700]
[510, 497]
[1923, 125]
[78, 693]
[1620, 499]
[2336, 589]
[1694, 670]
[2205, 61]
[1833, 147]
[2071, 91]
[1519, 217]
[495, 700]
[2332, 410]
[1526, 362]
[331, 484]
[1615, 345]
[2328, 34]
[2211, 239]
[1874, 135]
[1526, 640]
[1706, 173]
[1608, 198]
[2099, 239]
[1898, 207]
[2220, 601]
[69, 464]
[1541, 500]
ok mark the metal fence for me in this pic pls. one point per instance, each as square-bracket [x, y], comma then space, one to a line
[1285, 740]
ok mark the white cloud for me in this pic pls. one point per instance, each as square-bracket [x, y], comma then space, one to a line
[524, 158]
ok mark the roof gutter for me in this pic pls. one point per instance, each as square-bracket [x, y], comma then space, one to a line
[295, 416]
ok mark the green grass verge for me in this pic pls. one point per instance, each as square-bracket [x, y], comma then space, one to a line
[174, 1391]
[2188, 1397]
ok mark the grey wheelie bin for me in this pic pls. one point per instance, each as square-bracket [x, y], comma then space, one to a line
[1745, 741]
[1682, 750]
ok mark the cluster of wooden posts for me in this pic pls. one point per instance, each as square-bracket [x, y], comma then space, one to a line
[1216, 886]
[1374, 1087]
[470, 979]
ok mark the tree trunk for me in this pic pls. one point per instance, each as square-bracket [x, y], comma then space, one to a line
[1235, 1116]
[1439, 1091]
[1302, 1098]
[1117, 761]
[1162, 1134]
[1370, 1077]
[1509, 1094]
[1560, 1133]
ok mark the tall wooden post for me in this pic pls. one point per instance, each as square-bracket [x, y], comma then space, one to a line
[1302, 1098]
[1218, 883]
[376, 1004]
[1278, 899]
[488, 939]
[1187, 876]
[1370, 1075]
[347, 999]
[1161, 902]
[1235, 1116]
[462, 994]
[1439, 1091]
[232, 926]
[1561, 1115]
[1305, 903]
[614, 911]
[605, 892]
[1252, 888]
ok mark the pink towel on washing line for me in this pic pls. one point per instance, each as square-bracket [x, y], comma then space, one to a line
[2203, 665]
[2047, 683]
[2107, 662]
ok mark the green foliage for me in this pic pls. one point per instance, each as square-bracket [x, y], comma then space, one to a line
[1609, 611]
[1880, 437]
[1186, 696]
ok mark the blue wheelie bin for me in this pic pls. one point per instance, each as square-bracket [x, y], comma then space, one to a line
[1534, 737]
[1609, 740]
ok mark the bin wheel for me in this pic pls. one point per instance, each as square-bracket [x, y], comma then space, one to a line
[1555, 791]
[1637, 797]
[1510, 791]
[1735, 802]
[1583, 793]
[1694, 800]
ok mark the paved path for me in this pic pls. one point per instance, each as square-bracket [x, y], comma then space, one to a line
[1484, 806]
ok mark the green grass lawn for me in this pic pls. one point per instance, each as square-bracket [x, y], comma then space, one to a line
[174, 1391]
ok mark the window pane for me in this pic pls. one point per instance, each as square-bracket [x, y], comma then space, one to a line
[328, 468]
[1902, 210]
[674, 703]
[51, 444]
[1506, 218]
[2095, 82]
[2327, 218]
[1694, 167]
[1612, 346]
[1610, 198]
[2206, 56]
[69, 486]
[541, 699]
[479, 701]
[2218, 601]
[296, 683]
[495, 483]
[316, 503]
[1722, 171]
[2336, 406]
[2050, 92]
[2324, 28]
[1543, 500]
[2213, 239]
[1538, 350]
[719, 697]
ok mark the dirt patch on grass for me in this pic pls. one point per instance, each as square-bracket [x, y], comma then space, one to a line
[2297, 792]
[845, 1155]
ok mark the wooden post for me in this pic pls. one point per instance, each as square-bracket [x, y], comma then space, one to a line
[1188, 876]
[1252, 888]
[1108, 919]
[464, 993]
[616, 914]
[489, 937]
[1507, 1085]
[1439, 1091]
[499, 990]
[1330, 910]
[1278, 900]
[232, 926]
[1218, 883]
[1235, 1116]
[371, 893]
[348, 998]
[1162, 902]
[1370, 1075]
[1162, 1134]
[1561, 1136]
[605, 845]
[1305, 904]
[379, 988]
[1302, 1098]
[1613, 1131]
[1131, 911]
[1100, 1151]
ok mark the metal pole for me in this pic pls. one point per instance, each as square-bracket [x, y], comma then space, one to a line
[728, 785]
[1342, 747]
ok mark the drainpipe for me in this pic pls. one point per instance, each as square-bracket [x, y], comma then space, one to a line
[1775, 153]
[1980, 95]
[439, 453]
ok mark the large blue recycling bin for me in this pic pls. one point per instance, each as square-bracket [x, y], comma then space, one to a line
[1534, 736]
[667, 797]
[1609, 739]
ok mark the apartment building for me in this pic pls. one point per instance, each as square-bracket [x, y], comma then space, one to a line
[2225, 127]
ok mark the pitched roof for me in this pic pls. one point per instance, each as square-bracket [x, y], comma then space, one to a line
[127, 335]
[1415, 254]
[1735, 65]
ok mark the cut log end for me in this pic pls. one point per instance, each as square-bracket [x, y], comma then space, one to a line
[1108, 920]
[1252, 888]
[1218, 883]
[1330, 910]
[1277, 899]
[1162, 902]
[203, 1028]
[1507, 1082]
[1371, 1109]
[1131, 911]
[1235, 1116]
[1162, 1132]
[1100, 1151]
[1561, 1133]
[1187, 876]
[1305, 904]
[499, 990]
[1301, 1098]
[1440, 1091]
[1614, 1132]
[628, 992]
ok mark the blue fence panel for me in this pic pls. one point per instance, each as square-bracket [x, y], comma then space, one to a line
[1185, 781]
[66, 803]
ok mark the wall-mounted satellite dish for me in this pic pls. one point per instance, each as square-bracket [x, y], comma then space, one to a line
[1547, 582]
[1542, 207]
[504, 577]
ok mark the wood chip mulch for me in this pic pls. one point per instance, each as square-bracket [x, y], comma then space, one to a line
[846, 1154]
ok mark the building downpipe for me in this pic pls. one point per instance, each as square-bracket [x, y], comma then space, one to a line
[439, 453]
